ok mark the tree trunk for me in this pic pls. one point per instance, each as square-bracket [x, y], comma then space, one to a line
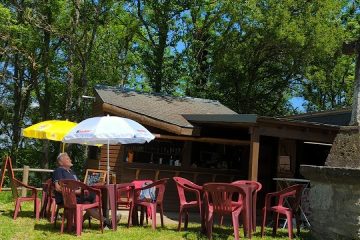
[355, 114]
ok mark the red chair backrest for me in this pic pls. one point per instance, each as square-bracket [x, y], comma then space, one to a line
[140, 183]
[182, 184]
[160, 188]
[68, 188]
[249, 182]
[221, 195]
[294, 192]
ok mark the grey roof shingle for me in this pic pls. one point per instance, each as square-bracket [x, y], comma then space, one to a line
[339, 117]
[161, 107]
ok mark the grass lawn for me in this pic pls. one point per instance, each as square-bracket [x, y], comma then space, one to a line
[25, 227]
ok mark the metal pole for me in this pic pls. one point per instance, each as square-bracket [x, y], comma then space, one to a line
[108, 164]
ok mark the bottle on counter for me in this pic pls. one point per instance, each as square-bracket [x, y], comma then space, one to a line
[171, 162]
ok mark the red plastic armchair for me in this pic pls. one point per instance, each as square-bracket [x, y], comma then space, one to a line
[152, 205]
[73, 210]
[258, 187]
[15, 184]
[219, 199]
[288, 204]
[183, 185]
[48, 203]
[125, 199]
[128, 190]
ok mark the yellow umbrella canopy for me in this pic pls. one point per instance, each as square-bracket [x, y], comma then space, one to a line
[52, 129]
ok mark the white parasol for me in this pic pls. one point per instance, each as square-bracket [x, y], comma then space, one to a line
[108, 130]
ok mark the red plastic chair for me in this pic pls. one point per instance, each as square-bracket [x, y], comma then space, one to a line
[219, 199]
[49, 207]
[15, 184]
[160, 190]
[183, 185]
[258, 187]
[128, 203]
[124, 197]
[288, 204]
[73, 210]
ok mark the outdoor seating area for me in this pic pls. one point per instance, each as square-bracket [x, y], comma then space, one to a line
[144, 198]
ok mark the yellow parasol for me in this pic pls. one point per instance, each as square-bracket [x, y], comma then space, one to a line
[52, 130]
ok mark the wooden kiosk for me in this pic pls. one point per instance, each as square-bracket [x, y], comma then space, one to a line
[204, 141]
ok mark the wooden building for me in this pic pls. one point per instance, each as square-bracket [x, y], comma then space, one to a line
[204, 141]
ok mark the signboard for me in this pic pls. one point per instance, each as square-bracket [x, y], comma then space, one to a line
[94, 176]
[6, 165]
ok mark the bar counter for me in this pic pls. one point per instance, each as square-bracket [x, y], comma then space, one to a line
[131, 171]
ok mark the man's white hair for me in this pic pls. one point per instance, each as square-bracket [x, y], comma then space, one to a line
[60, 156]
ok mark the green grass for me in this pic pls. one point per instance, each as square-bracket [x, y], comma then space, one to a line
[25, 227]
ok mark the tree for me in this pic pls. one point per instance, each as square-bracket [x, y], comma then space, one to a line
[351, 46]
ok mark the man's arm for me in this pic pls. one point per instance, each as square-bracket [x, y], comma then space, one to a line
[57, 186]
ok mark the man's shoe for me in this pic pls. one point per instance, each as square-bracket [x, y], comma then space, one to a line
[107, 224]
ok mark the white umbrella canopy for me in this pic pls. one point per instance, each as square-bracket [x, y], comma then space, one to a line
[108, 130]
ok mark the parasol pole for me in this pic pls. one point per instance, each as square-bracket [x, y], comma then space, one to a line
[108, 164]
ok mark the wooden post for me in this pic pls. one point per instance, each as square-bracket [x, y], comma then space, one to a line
[25, 180]
[254, 153]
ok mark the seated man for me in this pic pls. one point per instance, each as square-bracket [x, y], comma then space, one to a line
[64, 172]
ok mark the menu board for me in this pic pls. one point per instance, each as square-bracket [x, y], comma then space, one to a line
[94, 176]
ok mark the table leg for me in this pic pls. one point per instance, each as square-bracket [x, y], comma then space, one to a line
[248, 212]
[113, 207]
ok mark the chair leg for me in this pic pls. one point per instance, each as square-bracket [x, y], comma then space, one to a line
[276, 223]
[186, 220]
[62, 222]
[161, 215]
[221, 220]
[54, 214]
[101, 219]
[297, 218]
[180, 218]
[263, 222]
[53, 209]
[131, 209]
[209, 224]
[141, 215]
[37, 208]
[17, 208]
[254, 219]
[290, 224]
[78, 221]
[235, 221]
[153, 214]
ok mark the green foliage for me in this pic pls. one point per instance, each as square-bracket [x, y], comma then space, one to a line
[253, 56]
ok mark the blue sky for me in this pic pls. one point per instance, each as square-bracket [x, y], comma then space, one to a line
[297, 102]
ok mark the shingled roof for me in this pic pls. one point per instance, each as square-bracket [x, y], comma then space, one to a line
[165, 108]
[339, 117]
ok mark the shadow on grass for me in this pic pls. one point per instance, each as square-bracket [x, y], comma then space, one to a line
[225, 232]
[49, 227]
[22, 214]
[283, 233]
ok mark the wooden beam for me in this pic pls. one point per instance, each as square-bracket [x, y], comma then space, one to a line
[203, 139]
[149, 121]
[299, 133]
[254, 153]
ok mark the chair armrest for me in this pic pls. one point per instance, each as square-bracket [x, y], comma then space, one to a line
[194, 186]
[24, 185]
[85, 189]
